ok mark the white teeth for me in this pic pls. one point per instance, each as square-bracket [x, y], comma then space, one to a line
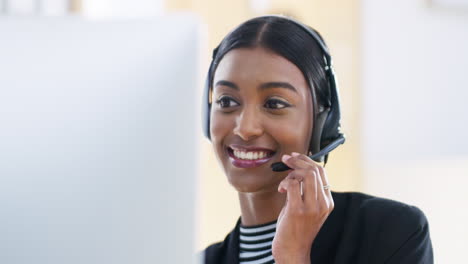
[249, 155]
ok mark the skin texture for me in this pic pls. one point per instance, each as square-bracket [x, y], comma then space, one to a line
[279, 119]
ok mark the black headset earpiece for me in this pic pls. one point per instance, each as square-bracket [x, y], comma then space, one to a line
[319, 124]
[331, 129]
[206, 107]
[206, 100]
[326, 135]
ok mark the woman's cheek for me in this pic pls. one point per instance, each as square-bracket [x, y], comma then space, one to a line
[294, 133]
[219, 127]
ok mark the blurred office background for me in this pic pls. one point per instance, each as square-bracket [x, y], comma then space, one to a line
[401, 65]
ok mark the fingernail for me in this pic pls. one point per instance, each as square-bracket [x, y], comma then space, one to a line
[295, 154]
[285, 157]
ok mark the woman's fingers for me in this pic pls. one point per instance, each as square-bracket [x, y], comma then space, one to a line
[314, 178]
[294, 162]
[323, 198]
[311, 187]
[292, 186]
[324, 179]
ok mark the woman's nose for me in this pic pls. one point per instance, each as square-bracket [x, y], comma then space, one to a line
[248, 125]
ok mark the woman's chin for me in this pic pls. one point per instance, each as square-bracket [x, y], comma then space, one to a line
[252, 184]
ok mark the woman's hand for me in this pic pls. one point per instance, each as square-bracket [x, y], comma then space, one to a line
[302, 216]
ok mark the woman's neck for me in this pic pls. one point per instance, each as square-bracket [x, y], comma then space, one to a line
[260, 207]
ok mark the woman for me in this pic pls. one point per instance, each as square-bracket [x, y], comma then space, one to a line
[271, 97]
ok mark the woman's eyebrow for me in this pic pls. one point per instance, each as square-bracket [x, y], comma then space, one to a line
[228, 84]
[263, 86]
[269, 85]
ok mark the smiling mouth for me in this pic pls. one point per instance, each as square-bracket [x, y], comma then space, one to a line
[243, 158]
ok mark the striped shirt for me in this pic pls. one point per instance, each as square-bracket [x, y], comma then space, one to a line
[255, 243]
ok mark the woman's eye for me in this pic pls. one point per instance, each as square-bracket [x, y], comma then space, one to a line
[226, 101]
[276, 104]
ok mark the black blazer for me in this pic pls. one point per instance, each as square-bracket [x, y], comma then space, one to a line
[361, 229]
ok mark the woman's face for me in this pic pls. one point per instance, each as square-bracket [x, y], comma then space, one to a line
[262, 109]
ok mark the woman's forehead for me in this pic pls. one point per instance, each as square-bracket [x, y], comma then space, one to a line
[258, 65]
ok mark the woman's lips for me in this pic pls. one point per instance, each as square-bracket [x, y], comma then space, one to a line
[249, 163]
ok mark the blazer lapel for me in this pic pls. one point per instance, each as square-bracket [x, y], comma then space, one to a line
[232, 250]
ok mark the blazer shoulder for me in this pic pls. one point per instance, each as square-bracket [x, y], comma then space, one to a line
[382, 209]
[214, 252]
[397, 232]
[222, 252]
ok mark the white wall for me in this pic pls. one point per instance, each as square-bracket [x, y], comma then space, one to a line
[35, 7]
[122, 8]
[415, 113]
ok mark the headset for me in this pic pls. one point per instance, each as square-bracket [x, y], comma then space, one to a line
[326, 134]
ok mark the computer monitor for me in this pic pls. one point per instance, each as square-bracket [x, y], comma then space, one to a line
[98, 140]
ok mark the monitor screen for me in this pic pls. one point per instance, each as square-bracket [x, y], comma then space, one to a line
[98, 140]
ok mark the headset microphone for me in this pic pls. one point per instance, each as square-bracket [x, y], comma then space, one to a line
[280, 166]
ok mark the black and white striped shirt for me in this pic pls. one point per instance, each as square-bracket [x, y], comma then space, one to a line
[255, 243]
